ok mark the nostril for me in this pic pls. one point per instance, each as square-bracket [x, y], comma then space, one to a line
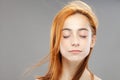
[75, 44]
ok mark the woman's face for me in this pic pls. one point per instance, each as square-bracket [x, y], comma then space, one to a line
[76, 38]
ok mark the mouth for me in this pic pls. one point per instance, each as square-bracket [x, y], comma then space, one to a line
[75, 51]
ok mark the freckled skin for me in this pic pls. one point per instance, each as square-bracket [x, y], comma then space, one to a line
[74, 39]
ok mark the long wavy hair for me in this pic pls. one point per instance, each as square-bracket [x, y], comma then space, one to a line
[55, 64]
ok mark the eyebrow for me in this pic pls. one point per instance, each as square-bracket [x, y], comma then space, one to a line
[78, 29]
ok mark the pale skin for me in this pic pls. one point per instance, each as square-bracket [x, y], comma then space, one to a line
[75, 44]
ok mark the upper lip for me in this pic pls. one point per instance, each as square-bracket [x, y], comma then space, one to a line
[75, 51]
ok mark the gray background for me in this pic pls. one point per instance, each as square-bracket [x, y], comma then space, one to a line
[24, 37]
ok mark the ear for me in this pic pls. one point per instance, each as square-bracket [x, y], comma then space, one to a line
[93, 40]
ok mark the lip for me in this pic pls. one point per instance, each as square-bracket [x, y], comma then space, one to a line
[75, 51]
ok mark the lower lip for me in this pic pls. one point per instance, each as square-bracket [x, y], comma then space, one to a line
[75, 52]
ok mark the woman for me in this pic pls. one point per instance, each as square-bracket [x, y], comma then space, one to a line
[73, 36]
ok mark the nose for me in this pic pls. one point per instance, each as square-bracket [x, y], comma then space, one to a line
[75, 42]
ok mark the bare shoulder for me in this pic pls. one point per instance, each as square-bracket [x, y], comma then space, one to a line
[38, 79]
[97, 78]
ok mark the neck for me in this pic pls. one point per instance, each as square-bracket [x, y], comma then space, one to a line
[69, 68]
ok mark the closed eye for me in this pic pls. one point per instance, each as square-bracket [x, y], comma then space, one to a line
[83, 36]
[66, 36]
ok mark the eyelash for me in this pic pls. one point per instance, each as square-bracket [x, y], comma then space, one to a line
[80, 36]
[83, 36]
[65, 36]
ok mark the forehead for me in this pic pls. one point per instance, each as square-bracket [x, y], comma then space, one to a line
[76, 21]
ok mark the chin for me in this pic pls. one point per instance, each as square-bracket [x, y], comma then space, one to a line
[75, 59]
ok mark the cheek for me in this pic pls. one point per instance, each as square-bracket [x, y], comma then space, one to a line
[65, 43]
[86, 45]
[64, 46]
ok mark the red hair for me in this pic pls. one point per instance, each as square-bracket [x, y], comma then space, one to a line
[55, 65]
